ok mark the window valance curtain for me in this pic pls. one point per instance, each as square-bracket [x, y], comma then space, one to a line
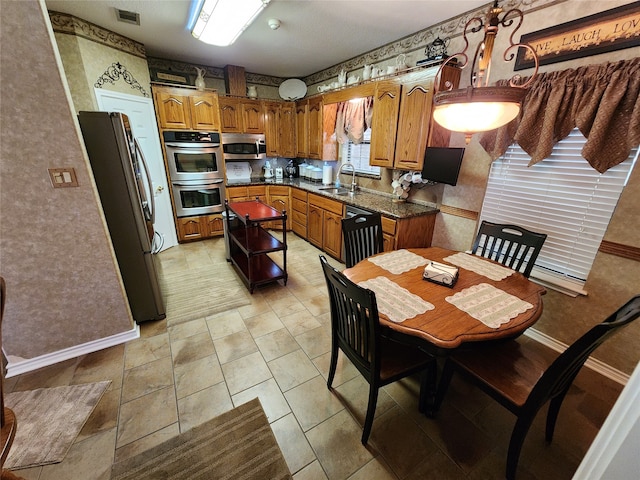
[602, 101]
[352, 119]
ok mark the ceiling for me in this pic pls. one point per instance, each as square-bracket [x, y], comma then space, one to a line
[314, 34]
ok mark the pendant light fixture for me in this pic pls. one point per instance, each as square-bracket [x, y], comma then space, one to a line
[220, 22]
[481, 107]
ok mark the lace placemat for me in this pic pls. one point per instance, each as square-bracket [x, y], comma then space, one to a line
[399, 261]
[489, 304]
[397, 303]
[479, 265]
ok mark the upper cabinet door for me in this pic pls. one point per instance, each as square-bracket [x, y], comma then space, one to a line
[172, 109]
[272, 127]
[204, 112]
[302, 130]
[413, 124]
[386, 104]
[287, 140]
[252, 116]
[230, 115]
[314, 114]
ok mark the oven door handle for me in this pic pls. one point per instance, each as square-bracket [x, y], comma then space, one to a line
[194, 145]
[212, 182]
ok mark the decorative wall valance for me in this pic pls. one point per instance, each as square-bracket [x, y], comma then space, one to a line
[353, 117]
[602, 101]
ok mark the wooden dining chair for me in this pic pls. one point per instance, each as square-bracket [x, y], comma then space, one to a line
[362, 237]
[513, 246]
[523, 374]
[355, 329]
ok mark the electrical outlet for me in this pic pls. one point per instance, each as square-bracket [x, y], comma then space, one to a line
[63, 177]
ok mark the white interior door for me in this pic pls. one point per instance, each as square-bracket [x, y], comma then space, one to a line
[143, 124]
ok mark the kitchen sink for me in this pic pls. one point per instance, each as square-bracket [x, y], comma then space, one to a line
[337, 190]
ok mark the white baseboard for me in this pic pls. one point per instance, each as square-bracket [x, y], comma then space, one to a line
[17, 366]
[592, 363]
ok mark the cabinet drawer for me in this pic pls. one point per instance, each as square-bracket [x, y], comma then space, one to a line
[325, 203]
[388, 225]
[299, 229]
[256, 190]
[234, 192]
[299, 206]
[299, 194]
[299, 217]
[278, 190]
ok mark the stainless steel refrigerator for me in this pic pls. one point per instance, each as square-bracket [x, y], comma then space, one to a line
[126, 194]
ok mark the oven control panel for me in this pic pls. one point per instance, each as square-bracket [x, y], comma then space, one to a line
[191, 137]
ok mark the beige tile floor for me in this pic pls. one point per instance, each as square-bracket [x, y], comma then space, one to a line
[277, 349]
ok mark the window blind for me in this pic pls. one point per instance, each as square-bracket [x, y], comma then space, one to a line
[358, 154]
[562, 196]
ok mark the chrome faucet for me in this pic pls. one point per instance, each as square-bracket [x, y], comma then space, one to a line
[353, 175]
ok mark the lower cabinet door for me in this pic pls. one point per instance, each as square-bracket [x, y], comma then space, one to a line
[332, 234]
[189, 228]
[314, 225]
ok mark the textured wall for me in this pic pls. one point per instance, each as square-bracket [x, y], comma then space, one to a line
[63, 287]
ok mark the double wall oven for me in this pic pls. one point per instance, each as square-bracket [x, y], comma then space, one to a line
[196, 171]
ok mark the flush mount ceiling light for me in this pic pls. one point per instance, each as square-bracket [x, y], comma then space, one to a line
[480, 107]
[220, 22]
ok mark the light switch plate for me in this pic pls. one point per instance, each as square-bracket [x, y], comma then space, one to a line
[63, 177]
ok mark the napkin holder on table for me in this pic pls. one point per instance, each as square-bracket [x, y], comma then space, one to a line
[441, 274]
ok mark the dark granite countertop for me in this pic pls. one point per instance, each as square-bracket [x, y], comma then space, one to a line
[376, 202]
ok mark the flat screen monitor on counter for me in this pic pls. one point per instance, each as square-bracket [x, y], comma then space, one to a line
[442, 165]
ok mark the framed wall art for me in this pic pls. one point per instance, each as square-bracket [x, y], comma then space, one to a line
[602, 32]
[166, 76]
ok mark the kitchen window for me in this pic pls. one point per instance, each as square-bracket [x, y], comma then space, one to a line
[562, 196]
[358, 155]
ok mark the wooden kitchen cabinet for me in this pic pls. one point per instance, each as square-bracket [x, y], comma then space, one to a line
[186, 109]
[272, 127]
[310, 124]
[189, 228]
[279, 198]
[252, 116]
[384, 123]
[287, 146]
[246, 192]
[199, 227]
[416, 98]
[302, 128]
[213, 225]
[280, 129]
[299, 208]
[241, 115]
[388, 234]
[402, 124]
[314, 128]
[412, 232]
[324, 224]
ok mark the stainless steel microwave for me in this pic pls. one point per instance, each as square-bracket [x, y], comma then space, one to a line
[244, 146]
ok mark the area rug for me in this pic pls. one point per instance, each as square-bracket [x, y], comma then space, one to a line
[49, 420]
[238, 445]
[200, 292]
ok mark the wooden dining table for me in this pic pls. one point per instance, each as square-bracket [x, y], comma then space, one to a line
[446, 326]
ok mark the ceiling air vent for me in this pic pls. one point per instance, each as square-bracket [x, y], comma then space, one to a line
[128, 17]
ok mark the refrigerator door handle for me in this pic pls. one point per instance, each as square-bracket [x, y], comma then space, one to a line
[149, 184]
